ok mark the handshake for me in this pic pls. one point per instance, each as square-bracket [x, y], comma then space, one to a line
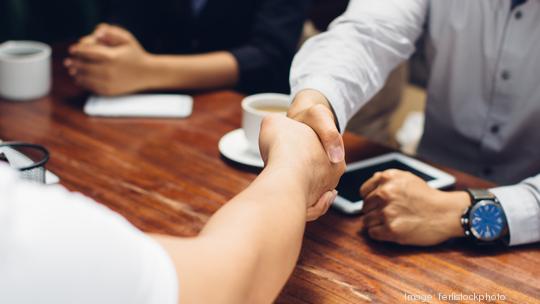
[303, 146]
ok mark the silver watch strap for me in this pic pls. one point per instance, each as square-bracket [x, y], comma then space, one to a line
[481, 194]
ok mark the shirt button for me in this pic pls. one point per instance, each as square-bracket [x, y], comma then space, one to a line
[518, 15]
[195, 44]
[505, 75]
[495, 129]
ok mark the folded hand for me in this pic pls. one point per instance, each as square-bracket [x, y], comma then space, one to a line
[401, 207]
[110, 61]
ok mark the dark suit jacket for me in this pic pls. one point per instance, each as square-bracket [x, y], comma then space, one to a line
[261, 34]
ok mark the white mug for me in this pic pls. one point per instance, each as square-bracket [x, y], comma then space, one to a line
[253, 108]
[25, 70]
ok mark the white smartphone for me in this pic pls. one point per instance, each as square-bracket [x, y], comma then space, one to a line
[349, 199]
[140, 105]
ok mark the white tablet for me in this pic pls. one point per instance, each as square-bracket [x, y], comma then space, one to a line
[350, 201]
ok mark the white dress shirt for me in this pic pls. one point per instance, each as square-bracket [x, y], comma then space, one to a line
[58, 247]
[483, 109]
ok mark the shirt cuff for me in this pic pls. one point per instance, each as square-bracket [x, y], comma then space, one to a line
[522, 212]
[249, 58]
[326, 87]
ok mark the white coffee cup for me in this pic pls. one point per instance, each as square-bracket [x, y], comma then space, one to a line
[25, 70]
[255, 108]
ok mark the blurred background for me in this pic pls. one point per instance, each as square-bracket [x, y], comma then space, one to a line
[49, 21]
[395, 118]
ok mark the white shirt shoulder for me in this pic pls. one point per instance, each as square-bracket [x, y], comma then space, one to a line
[59, 247]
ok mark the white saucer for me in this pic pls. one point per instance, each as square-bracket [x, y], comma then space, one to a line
[234, 146]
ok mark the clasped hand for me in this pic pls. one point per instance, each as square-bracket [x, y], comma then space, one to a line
[110, 61]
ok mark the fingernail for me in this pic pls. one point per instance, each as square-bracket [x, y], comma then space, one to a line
[336, 154]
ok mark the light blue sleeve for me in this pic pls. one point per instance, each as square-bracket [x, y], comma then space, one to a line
[521, 204]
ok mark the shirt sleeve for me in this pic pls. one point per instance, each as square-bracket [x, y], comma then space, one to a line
[59, 247]
[264, 61]
[521, 204]
[349, 64]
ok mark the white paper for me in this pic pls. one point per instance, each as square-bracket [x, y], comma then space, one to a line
[141, 105]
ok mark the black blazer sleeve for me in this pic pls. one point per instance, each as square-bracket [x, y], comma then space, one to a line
[265, 60]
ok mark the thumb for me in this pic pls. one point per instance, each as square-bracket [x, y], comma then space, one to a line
[321, 120]
[114, 36]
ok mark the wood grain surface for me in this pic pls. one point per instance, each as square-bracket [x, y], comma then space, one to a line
[167, 176]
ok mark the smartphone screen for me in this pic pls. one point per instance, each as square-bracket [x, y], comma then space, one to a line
[350, 183]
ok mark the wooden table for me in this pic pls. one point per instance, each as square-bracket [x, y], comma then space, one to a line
[167, 176]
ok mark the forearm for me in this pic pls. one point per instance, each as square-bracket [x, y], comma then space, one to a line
[349, 63]
[266, 223]
[192, 72]
[249, 247]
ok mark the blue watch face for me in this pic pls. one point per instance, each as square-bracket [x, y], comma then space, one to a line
[487, 221]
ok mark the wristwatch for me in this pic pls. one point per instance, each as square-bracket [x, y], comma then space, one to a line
[484, 221]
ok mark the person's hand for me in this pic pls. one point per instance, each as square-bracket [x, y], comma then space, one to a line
[290, 145]
[400, 207]
[109, 62]
[311, 108]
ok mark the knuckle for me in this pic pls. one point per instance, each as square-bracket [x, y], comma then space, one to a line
[388, 174]
[386, 191]
[409, 175]
[269, 120]
[310, 114]
[377, 194]
[388, 213]
[384, 176]
[317, 111]
[393, 227]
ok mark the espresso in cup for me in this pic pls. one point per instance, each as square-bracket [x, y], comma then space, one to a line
[255, 108]
[25, 70]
